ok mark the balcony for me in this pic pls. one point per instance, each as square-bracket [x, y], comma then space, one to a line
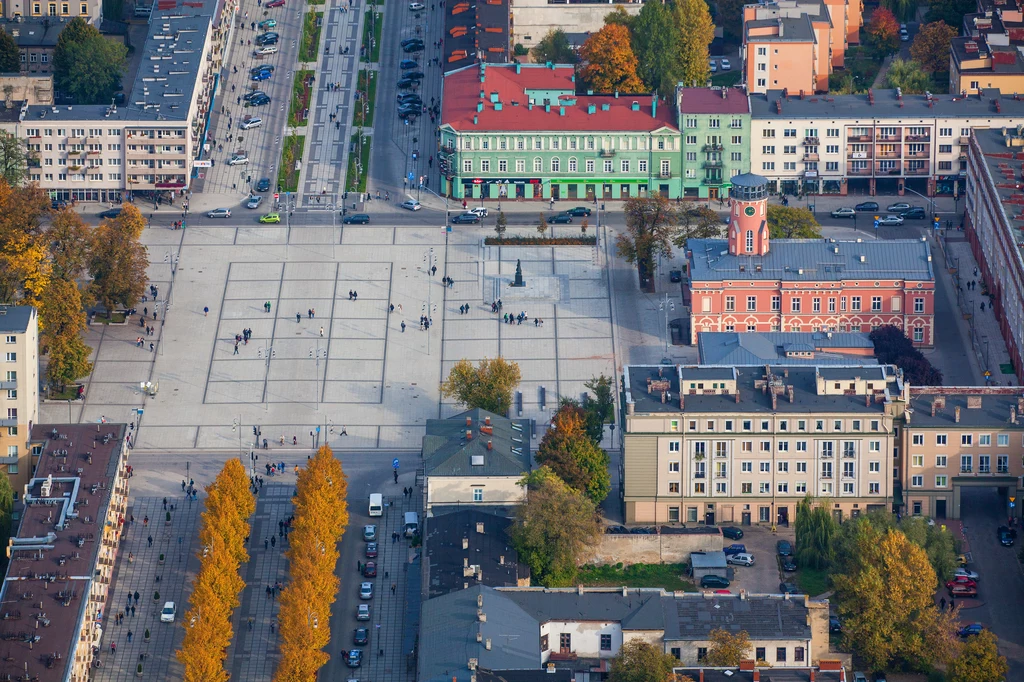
[965, 140]
[606, 153]
[811, 140]
[859, 138]
[887, 155]
[919, 138]
[827, 476]
[714, 147]
[857, 171]
[923, 154]
[712, 182]
[966, 470]
[810, 157]
[887, 138]
[699, 475]
[711, 163]
[665, 175]
[921, 170]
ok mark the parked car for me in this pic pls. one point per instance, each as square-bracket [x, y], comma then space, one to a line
[355, 656]
[406, 83]
[255, 93]
[580, 211]
[724, 64]
[560, 218]
[789, 588]
[964, 572]
[867, 206]
[265, 50]
[735, 548]
[219, 213]
[904, 37]
[675, 275]
[238, 160]
[972, 629]
[898, 206]
[275, 3]
[408, 64]
[409, 98]
[408, 115]
[361, 636]
[890, 220]
[961, 580]
[371, 550]
[466, 218]
[409, 110]
[110, 213]
[356, 219]
[479, 211]
[416, 6]
[844, 212]
[963, 591]
[270, 218]
[414, 75]
[57, 204]
[263, 185]
[251, 122]
[268, 38]
[784, 548]
[913, 213]
[370, 569]
[409, 41]
[714, 65]
[261, 76]
[732, 532]
[741, 559]
[714, 581]
[168, 612]
[363, 612]
[370, 533]
[254, 201]
[1006, 536]
[259, 101]
[787, 564]
[411, 205]
[267, 24]
[834, 624]
[366, 590]
[860, 677]
[413, 47]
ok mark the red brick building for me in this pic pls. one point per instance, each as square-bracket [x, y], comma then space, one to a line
[749, 282]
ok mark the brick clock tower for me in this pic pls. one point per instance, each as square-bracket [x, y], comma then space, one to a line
[748, 223]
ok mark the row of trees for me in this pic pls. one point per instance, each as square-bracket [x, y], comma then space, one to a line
[216, 589]
[893, 347]
[321, 515]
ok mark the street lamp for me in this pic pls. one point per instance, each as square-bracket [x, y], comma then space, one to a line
[316, 354]
[236, 425]
[429, 261]
[266, 352]
[665, 306]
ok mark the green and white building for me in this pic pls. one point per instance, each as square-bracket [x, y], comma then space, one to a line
[715, 125]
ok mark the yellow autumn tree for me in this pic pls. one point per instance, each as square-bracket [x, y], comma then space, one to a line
[24, 262]
[321, 515]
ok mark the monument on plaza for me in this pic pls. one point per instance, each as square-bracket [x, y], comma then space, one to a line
[518, 281]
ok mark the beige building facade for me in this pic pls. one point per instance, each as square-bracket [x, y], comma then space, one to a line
[19, 390]
[743, 445]
[957, 437]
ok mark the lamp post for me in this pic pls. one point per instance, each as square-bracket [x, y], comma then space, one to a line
[429, 261]
[236, 425]
[266, 352]
[666, 305]
[316, 354]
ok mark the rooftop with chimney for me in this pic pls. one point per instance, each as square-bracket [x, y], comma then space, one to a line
[789, 348]
[1003, 152]
[471, 547]
[1000, 407]
[883, 104]
[475, 32]
[476, 443]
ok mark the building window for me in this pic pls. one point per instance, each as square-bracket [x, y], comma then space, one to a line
[467, 165]
[780, 654]
[538, 165]
[759, 654]
[485, 166]
[855, 304]
[702, 653]
[572, 164]
[606, 642]
[794, 305]
[966, 439]
[916, 481]
[798, 654]
[750, 241]
[940, 439]
[873, 488]
[556, 165]
[673, 488]
[751, 303]
[478, 494]
[940, 481]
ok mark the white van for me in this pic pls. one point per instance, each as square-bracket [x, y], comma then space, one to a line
[376, 504]
[412, 524]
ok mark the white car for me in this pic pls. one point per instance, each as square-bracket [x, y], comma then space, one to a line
[416, 6]
[238, 160]
[741, 559]
[479, 211]
[265, 50]
[411, 205]
[714, 66]
[219, 213]
[168, 612]
[363, 612]
[255, 122]
[725, 64]
[904, 36]
[966, 573]
[366, 591]
[254, 201]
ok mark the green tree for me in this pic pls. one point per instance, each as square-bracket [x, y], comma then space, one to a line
[10, 56]
[695, 31]
[729, 15]
[620, 16]
[69, 240]
[118, 263]
[950, 11]
[978, 661]
[930, 48]
[727, 649]
[542, 226]
[6, 518]
[568, 450]
[908, 77]
[62, 321]
[488, 386]
[640, 661]
[599, 407]
[904, 10]
[555, 48]
[609, 64]
[788, 222]
[651, 225]
[13, 156]
[656, 44]
[815, 533]
[884, 31]
[86, 65]
[501, 224]
[695, 221]
[554, 529]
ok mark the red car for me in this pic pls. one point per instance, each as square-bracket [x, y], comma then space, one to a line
[275, 3]
[370, 569]
[963, 591]
[371, 550]
[961, 580]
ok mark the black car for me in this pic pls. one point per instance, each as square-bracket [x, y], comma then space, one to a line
[258, 101]
[834, 625]
[560, 218]
[255, 93]
[784, 548]
[361, 636]
[408, 64]
[409, 98]
[357, 219]
[409, 41]
[1006, 536]
[58, 204]
[714, 581]
[466, 218]
[263, 185]
[262, 67]
[414, 75]
[267, 39]
[408, 114]
[111, 213]
[867, 206]
[913, 213]
[787, 563]
[579, 211]
[732, 532]
[408, 111]
[675, 275]
[406, 83]
[413, 47]
[788, 588]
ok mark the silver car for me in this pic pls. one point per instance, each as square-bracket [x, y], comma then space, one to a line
[741, 559]
[254, 122]
[891, 220]
[219, 213]
[411, 205]
[255, 201]
[238, 160]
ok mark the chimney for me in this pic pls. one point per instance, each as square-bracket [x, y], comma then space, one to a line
[812, 674]
[465, 543]
[487, 644]
[487, 421]
[737, 396]
[867, 400]
[479, 636]
[489, 446]
[501, 560]
[469, 435]
[956, 414]
[469, 421]
[934, 404]
[789, 390]
[757, 675]
[481, 616]
[775, 401]
[702, 675]
[974, 402]
[1020, 405]
[1013, 415]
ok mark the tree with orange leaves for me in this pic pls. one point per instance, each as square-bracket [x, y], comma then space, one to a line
[884, 30]
[610, 64]
[569, 452]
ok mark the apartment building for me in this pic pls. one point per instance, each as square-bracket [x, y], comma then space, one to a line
[882, 142]
[20, 389]
[957, 437]
[56, 11]
[715, 124]
[63, 555]
[749, 282]
[995, 205]
[716, 444]
[36, 40]
[520, 131]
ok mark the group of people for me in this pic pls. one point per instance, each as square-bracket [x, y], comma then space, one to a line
[509, 318]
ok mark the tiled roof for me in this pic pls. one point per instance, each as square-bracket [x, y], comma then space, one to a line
[813, 260]
[711, 101]
[514, 85]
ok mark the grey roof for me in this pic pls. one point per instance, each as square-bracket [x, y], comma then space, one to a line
[756, 348]
[35, 33]
[886, 106]
[803, 380]
[876, 373]
[994, 413]
[692, 617]
[813, 260]
[748, 180]
[698, 373]
[775, 675]
[638, 609]
[1004, 165]
[794, 29]
[707, 559]
[16, 318]
[535, 675]
[448, 635]
[490, 550]
[447, 451]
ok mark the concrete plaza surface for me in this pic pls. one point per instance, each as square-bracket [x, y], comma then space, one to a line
[349, 369]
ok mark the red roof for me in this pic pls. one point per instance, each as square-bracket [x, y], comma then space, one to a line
[710, 101]
[462, 97]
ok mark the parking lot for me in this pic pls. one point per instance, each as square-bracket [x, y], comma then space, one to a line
[765, 575]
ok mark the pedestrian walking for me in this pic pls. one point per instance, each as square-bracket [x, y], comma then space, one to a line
[298, 318]
[273, 541]
[133, 609]
[321, 332]
[136, 595]
[129, 636]
[266, 543]
[236, 348]
[393, 587]
[150, 540]
[206, 311]
[403, 327]
[113, 648]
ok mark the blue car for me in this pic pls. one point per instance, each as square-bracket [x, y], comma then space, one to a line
[735, 548]
[261, 76]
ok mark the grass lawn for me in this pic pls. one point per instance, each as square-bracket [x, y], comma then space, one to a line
[115, 318]
[69, 393]
[355, 180]
[291, 151]
[726, 79]
[812, 581]
[669, 576]
[371, 51]
[302, 94]
[364, 113]
[310, 45]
